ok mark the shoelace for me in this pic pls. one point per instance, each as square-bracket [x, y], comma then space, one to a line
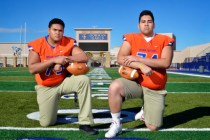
[113, 122]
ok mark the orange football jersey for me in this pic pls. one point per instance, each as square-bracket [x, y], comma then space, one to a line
[152, 49]
[46, 52]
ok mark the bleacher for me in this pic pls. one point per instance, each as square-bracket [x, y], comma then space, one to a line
[199, 64]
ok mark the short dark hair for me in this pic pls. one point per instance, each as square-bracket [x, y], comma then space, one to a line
[56, 21]
[146, 12]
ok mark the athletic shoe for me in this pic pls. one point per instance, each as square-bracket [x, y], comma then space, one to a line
[88, 129]
[114, 130]
[140, 115]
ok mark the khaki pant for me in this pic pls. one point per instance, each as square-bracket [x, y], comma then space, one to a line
[154, 100]
[48, 97]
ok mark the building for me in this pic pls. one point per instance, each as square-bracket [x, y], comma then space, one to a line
[13, 54]
[113, 54]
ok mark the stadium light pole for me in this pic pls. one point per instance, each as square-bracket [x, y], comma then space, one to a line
[20, 35]
[20, 42]
[25, 40]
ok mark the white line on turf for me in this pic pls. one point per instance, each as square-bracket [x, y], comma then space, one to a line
[76, 129]
[106, 83]
[15, 91]
[101, 90]
[17, 81]
[193, 92]
[189, 74]
[188, 82]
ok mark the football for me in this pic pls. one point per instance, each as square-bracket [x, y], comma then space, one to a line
[128, 73]
[77, 68]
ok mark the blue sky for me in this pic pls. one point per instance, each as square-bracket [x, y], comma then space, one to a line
[189, 20]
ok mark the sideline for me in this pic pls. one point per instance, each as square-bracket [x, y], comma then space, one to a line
[189, 74]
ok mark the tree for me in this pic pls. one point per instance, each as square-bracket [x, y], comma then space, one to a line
[90, 56]
[102, 55]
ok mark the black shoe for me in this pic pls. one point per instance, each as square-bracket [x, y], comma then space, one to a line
[88, 129]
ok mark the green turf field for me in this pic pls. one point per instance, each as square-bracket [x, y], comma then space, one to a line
[187, 113]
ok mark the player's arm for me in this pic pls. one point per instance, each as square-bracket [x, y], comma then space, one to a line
[36, 66]
[124, 52]
[78, 55]
[164, 62]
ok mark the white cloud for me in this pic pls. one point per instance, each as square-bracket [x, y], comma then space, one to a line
[38, 31]
[10, 30]
[17, 30]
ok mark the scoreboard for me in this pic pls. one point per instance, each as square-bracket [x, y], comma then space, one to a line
[93, 41]
[93, 46]
[93, 37]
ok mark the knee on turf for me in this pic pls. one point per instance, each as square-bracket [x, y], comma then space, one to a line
[46, 123]
[152, 127]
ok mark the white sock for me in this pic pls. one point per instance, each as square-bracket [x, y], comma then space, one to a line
[116, 117]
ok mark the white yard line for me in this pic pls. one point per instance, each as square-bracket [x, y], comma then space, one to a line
[187, 82]
[189, 92]
[15, 91]
[93, 83]
[190, 74]
[16, 81]
[76, 129]
[12, 91]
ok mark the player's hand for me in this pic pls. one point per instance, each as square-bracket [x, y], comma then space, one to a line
[146, 70]
[62, 60]
[127, 60]
[57, 67]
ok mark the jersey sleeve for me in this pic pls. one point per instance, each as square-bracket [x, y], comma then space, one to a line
[128, 38]
[75, 43]
[35, 45]
[30, 46]
[169, 41]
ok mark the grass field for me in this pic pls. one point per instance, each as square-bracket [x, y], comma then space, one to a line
[187, 113]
